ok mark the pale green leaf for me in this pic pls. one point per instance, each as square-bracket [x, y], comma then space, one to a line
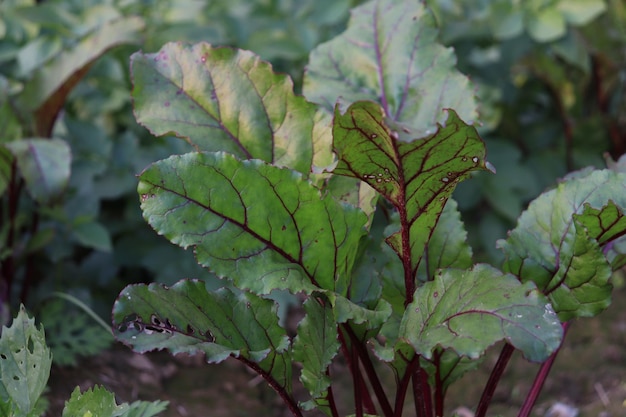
[468, 311]
[563, 255]
[25, 363]
[95, 402]
[546, 25]
[389, 54]
[223, 99]
[94, 235]
[581, 12]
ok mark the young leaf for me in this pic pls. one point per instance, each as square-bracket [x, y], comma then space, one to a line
[261, 226]
[416, 177]
[25, 362]
[188, 318]
[223, 99]
[389, 54]
[468, 311]
[96, 401]
[45, 166]
[315, 346]
[557, 242]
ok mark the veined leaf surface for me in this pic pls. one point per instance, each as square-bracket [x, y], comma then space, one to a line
[416, 177]
[559, 239]
[389, 54]
[468, 311]
[188, 318]
[261, 226]
[223, 99]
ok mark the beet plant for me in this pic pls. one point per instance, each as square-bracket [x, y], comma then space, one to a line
[343, 197]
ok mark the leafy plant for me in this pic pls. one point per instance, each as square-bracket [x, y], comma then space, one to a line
[25, 363]
[348, 202]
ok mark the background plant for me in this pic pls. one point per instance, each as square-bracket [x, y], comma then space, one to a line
[415, 297]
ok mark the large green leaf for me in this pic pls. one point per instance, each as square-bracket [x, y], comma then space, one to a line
[389, 54]
[315, 346]
[468, 311]
[188, 318]
[25, 363]
[558, 242]
[262, 226]
[223, 99]
[416, 177]
[96, 401]
[45, 166]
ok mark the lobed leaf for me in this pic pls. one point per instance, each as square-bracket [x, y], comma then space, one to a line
[96, 401]
[261, 226]
[223, 99]
[389, 54]
[468, 311]
[188, 318]
[45, 166]
[558, 242]
[25, 363]
[416, 177]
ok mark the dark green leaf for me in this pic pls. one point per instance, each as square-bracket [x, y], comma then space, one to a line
[261, 226]
[416, 177]
[188, 318]
[468, 311]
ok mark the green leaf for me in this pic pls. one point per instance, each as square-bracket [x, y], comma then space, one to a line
[315, 346]
[188, 318]
[259, 225]
[557, 242]
[45, 166]
[46, 92]
[223, 99]
[6, 160]
[448, 247]
[95, 402]
[144, 408]
[72, 334]
[468, 311]
[25, 362]
[92, 234]
[581, 12]
[389, 54]
[416, 177]
[546, 25]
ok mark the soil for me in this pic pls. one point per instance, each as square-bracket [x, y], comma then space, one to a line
[589, 376]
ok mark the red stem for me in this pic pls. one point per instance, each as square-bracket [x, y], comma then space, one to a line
[368, 366]
[421, 393]
[540, 379]
[403, 386]
[286, 397]
[494, 379]
[439, 397]
[357, 382]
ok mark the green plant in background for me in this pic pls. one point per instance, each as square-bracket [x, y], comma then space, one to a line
[25, 363]
[70, 148]
[346, 200]
[551, 81]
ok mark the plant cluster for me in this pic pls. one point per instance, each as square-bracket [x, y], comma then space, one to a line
[344, 196]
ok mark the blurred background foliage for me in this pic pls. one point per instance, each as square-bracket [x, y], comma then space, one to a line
[550, 76]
